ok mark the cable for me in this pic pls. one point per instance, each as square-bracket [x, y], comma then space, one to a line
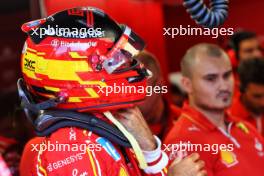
[212, 17]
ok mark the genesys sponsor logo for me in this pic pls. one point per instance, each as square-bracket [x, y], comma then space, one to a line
[64, 162]
[68, 32]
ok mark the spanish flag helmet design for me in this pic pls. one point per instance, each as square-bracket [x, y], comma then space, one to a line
[73, 59]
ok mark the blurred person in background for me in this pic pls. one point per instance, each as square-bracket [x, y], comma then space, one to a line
[244, 45]
[157, 109]
[249, 105]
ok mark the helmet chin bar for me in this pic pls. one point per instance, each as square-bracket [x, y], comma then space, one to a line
[46, 121]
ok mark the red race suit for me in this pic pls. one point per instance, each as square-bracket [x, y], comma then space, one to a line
[78, 152]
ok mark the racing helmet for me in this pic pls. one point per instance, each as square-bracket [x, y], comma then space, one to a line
[80, 59]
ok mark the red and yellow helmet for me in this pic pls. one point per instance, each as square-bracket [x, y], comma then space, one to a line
[80, 55]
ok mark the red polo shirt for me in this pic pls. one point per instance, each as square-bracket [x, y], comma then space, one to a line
[236, 152]
[239, 112]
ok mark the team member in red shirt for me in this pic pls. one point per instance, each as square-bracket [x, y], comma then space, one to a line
[249, 105]
[74, 64]
[243, 45]
[228, 147]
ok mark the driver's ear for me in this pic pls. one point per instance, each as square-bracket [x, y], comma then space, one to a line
[186, 84]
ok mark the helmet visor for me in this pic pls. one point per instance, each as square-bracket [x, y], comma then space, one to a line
[121, 55]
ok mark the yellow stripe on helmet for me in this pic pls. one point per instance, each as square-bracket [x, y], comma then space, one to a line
[76, 55]
[54, 69]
